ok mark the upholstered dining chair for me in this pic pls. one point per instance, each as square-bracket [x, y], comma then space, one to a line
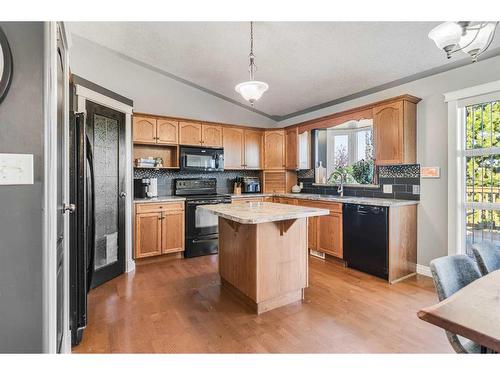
[487, 254]
[450, 274]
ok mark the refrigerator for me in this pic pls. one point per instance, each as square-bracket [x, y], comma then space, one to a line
[82, 224]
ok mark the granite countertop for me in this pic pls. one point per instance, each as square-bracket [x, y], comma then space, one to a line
[162, 198]
[385, 202]
[262, 212]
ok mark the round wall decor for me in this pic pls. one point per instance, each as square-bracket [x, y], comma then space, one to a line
[5, 65]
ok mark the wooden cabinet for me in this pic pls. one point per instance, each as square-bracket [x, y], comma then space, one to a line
[240, 200]
[159, 228]
[144, 129]
[274, 149]
[284, 200]
[291, 143]
[190, 133]
[233, 143]
[278, 181]
[253, 149]
[394, 125]
[167, 131]
[211, 135]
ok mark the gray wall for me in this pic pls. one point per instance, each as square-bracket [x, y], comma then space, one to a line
[21, 131]
[153, 92]
[432, 143]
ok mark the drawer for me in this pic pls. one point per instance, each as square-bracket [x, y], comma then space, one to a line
[247, 200]
[160, 206]
[332, 206]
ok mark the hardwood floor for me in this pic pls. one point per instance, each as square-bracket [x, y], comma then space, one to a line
[178, 306]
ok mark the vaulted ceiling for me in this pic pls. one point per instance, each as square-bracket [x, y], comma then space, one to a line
[304, 63]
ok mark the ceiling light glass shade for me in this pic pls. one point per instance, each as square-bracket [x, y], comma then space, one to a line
[480, 42]
[251, 90]
[446, 35]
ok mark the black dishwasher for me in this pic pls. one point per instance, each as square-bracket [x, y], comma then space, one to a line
[366, 238]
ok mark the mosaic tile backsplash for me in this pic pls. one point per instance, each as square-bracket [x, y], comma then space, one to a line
[401, 177]
[166, 178]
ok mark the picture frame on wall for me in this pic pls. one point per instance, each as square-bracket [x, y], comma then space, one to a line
[6, 67]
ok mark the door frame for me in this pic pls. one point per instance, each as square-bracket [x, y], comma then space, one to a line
[83, 94]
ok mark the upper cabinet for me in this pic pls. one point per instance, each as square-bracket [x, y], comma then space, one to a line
[274, 149]
[253, 149]
[190, 133]
[152, 130]
[291, 137]
[198, 134]
[394, 126]
[144, 129]
[242, 148]
[211, 135]
[167, 131]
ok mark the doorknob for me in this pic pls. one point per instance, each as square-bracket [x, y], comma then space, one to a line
[69, 207]
[123, 194]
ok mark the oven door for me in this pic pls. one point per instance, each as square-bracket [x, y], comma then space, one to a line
[199, 222]
[201, 159]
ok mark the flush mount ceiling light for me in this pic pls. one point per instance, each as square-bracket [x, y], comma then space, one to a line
[251, 90]
[466, 36]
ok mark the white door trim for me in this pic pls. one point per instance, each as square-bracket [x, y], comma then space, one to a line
[85, 93]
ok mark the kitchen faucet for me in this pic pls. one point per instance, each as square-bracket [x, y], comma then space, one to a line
[343, 177]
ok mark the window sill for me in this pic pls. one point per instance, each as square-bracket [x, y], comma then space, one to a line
[369, 186]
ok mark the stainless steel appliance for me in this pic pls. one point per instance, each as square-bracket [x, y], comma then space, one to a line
[141, 187]
[366, 243]
[202, 229]
[201, 159]
[250, 185]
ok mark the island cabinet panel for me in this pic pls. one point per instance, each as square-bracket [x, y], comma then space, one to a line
[211, 135]
[253, 149]
[159, 228]
[144, 129]
[274, 149]
[233, 143]
[190, 133]
[167, 131]
[291, 148]
[395, 132]
[148, 234]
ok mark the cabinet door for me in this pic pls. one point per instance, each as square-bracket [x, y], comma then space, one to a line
[211, 135]
[274, 149]
[190, 133]
[167, 131]
[148, 234]
[144, 129]
[291, 137]
[232, 141]
[253, 149]
[329, 234]
[388, 126]
[312, 228]
[172, 231]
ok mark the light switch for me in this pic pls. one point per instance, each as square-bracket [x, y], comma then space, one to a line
[416, 189]
[16, 169]
[387, 189]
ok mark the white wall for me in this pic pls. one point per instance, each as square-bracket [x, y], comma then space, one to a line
[153, 92]
[432, 143]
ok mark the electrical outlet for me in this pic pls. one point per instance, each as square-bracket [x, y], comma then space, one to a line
[387, 189]
[415, 189]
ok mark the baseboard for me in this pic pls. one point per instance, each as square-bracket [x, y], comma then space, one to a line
[424, 270]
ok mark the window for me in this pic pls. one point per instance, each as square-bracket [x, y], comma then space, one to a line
[482, 173]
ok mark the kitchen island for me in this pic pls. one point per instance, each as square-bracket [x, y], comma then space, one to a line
[263, 251]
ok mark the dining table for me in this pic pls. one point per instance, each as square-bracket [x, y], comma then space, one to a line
[472, 312]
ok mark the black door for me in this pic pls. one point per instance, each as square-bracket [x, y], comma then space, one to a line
[106, 165]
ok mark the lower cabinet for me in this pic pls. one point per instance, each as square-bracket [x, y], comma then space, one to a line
[159, 229]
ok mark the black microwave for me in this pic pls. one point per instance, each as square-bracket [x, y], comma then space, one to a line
[201, 159]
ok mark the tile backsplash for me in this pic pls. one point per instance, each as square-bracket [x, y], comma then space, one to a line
[404, 180]
[166, 178]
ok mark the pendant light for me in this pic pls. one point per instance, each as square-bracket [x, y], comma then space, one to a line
[471, 38]
[251, 90]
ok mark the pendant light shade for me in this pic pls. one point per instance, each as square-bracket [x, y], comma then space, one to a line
[476, 40]
[251, 90]
[446, 35]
